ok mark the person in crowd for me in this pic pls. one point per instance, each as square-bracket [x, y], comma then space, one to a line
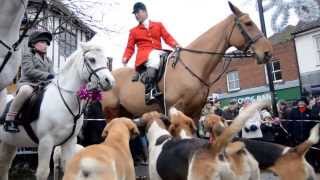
[315, 110]
[232, 110]
[268, 126]
[216, 108]
[299, 129]
[283, 109]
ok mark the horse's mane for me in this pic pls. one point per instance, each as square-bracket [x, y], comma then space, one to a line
[77, 55]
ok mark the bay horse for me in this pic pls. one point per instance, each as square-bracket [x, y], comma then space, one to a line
[11, 15]
[186, 85]
[60, 117]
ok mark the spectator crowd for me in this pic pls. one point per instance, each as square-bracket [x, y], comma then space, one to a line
[291, 127]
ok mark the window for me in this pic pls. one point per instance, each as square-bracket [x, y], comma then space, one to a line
[233, 81]
[67, 41]
[276, 71]
[317, 39]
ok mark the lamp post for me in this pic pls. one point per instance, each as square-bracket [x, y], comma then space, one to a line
[268, 64]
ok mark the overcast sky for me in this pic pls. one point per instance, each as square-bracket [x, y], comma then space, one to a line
[184, 19]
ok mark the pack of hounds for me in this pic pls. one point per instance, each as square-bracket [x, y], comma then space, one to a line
[176, 154]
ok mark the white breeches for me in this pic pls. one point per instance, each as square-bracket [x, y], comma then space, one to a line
[154, 59]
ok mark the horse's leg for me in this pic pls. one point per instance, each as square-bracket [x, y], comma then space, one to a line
[44, 154]
[7, 153]
[3, 100]
[67, 151]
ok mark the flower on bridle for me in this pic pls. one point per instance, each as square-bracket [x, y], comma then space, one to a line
[89, 94]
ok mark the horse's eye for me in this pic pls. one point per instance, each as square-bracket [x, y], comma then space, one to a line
[92, 60]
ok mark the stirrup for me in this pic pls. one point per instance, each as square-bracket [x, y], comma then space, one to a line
[11, 126]
[150, 99]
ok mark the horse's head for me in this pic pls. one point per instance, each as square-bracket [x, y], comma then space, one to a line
[244, 35]
[94, 68]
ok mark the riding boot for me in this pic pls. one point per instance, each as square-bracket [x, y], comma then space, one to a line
[10, 124]
[151, 91]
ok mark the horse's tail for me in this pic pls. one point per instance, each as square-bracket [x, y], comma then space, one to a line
[313, 139]
[3, 100]
[237, 124]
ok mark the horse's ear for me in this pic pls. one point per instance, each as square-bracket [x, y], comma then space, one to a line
[236, 11]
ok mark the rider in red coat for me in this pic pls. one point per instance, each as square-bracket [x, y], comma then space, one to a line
[147, 36]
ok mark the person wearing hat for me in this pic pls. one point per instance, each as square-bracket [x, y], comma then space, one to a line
[147, 37]
[35, 68]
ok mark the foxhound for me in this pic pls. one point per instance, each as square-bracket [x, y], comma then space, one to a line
[109, 160]
[193, 159]
[286, 162]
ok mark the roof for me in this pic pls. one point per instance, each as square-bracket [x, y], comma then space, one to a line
[304, 26]
[283, 36]
[60, 6]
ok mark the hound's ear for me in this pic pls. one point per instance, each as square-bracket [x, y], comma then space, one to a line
[166, 120]
[134, 131]
[104, 133]
[236, 11]
[192, 125]
[172, 128]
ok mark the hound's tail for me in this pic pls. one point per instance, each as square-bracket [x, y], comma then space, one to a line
[237, 124]
[91, 169]
[313, 139]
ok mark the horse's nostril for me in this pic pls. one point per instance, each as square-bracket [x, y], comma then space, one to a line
[267, 55]
[107, 80]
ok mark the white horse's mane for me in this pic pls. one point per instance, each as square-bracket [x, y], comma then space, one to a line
[77, 55]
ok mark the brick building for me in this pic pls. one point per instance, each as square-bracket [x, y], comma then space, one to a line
[307, 41]
[245, 79]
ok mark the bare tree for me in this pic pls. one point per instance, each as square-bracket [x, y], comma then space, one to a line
[91, 13]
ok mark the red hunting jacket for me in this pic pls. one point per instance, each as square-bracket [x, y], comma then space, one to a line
[146, 40]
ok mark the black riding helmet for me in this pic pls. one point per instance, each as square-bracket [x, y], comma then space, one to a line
[39, 36]
[138, 6]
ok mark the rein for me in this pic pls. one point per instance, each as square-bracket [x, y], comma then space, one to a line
[76, 117]
[14, 47]
[245, 53]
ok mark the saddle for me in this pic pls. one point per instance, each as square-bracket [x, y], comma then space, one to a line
[29, 112]
[141, 72]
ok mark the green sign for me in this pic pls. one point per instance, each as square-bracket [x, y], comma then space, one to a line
[288, 94]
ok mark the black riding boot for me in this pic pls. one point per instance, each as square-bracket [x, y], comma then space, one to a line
[151, 91]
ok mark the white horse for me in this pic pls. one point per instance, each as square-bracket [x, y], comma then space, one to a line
[55, 123]
[11, 14]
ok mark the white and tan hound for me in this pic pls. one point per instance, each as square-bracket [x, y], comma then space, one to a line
[109, 160]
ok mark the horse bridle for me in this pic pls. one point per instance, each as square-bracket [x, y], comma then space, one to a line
[91, 71]
[15, 45]
[249, 41]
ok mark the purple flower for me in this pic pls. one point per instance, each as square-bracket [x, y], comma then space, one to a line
[92, 95]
